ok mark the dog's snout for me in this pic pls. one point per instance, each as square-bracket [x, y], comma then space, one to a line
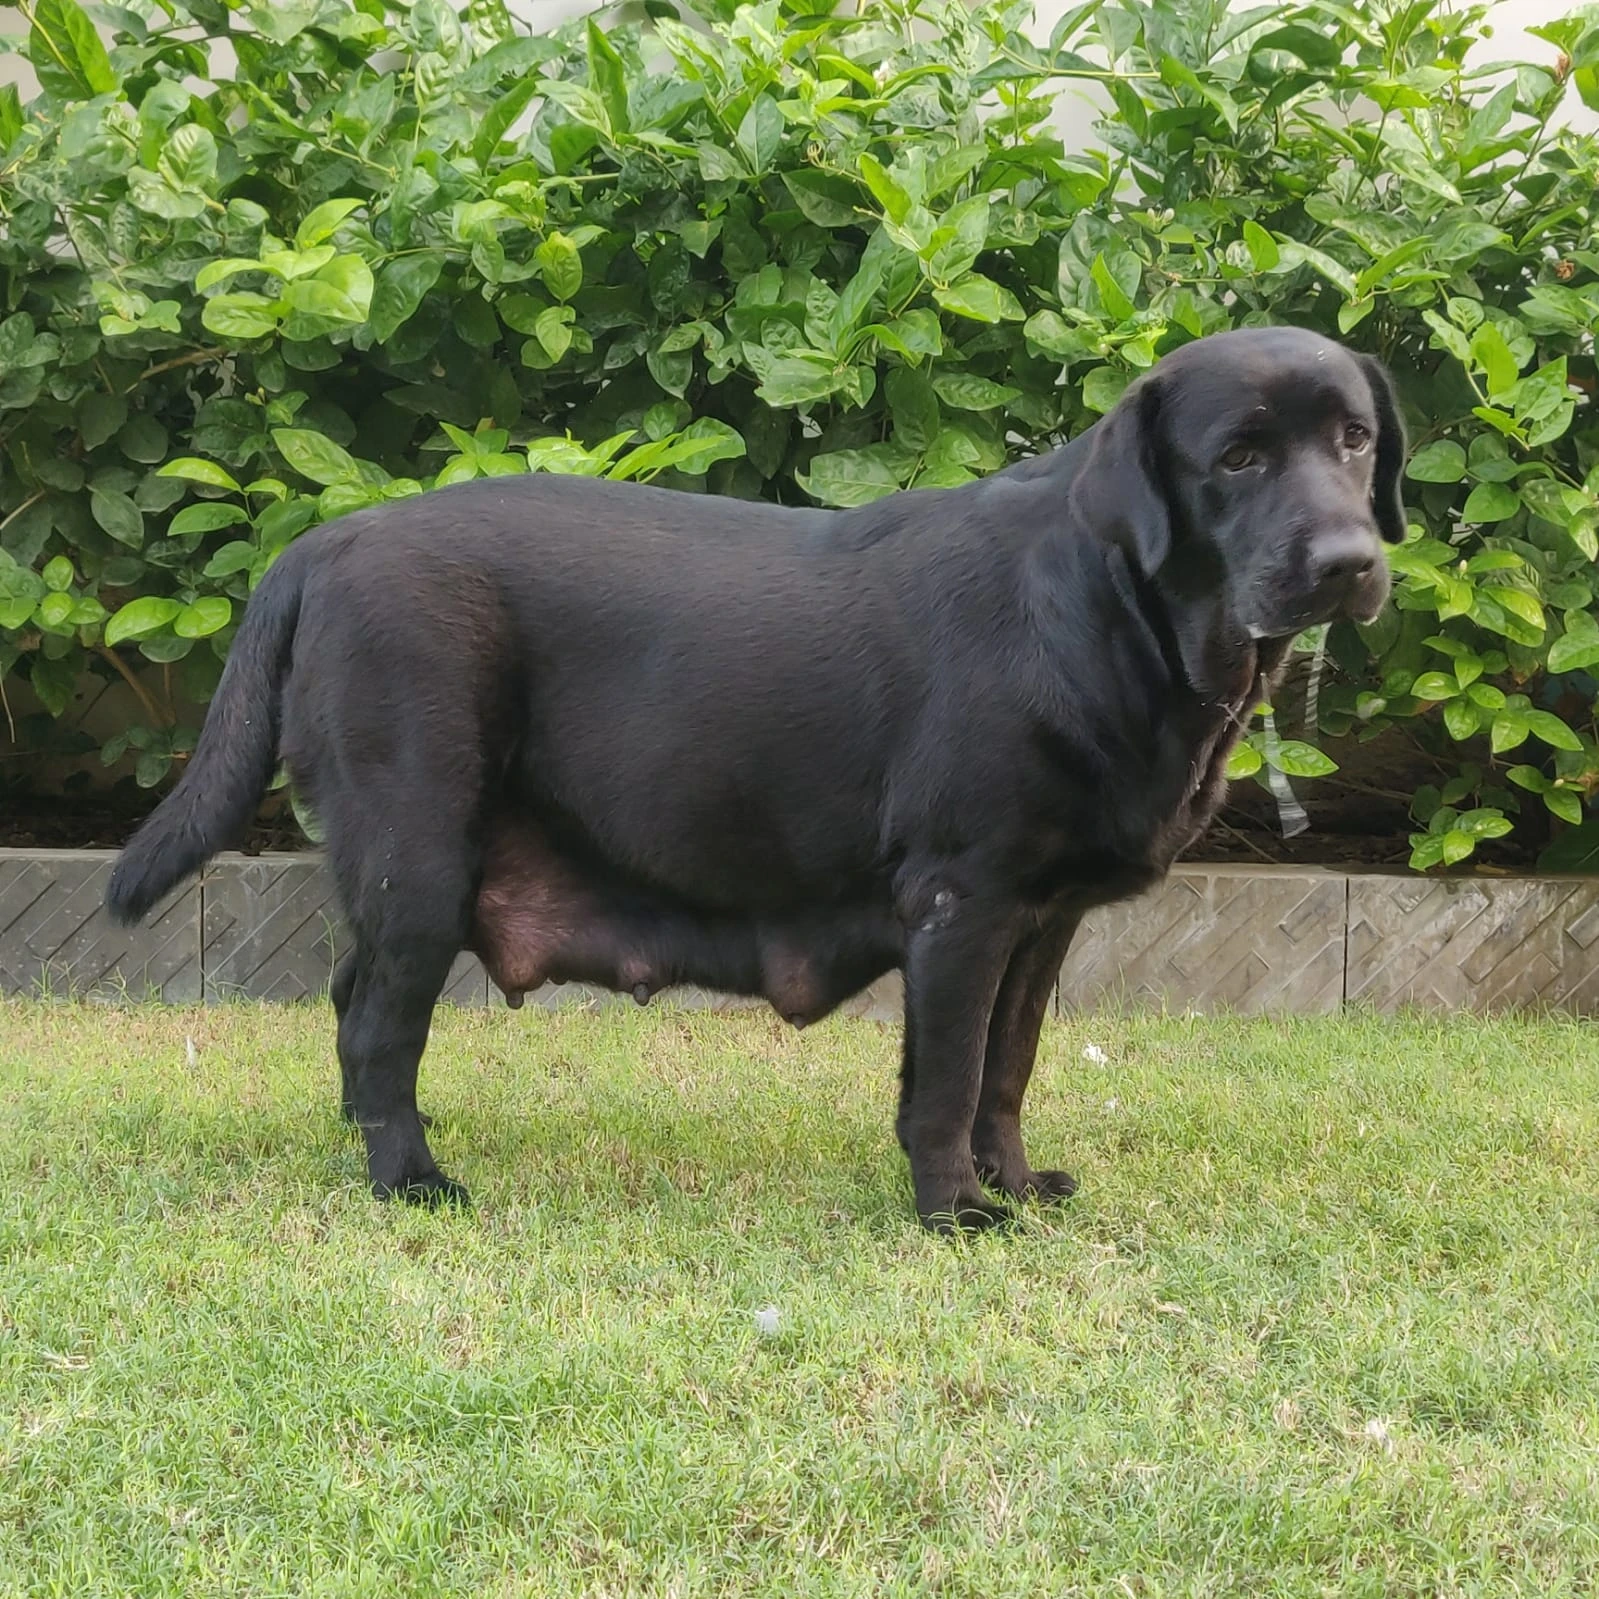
[1344, 557]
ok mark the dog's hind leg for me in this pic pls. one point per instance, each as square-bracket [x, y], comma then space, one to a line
[408, 925]
[340, 992]
[1008, 1066]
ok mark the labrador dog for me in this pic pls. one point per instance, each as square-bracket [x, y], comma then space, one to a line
[638, 737]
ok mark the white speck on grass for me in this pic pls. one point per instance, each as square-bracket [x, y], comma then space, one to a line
[766, 1321]
[1377, 1430]
[1094, 1053]
[191, 1053]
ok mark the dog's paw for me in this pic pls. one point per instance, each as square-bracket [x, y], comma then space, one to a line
[1033, 1187]
[967, 1216]
[1050, 1187]
[433, 1190]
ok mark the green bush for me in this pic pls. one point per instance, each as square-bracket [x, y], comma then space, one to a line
[784, 252]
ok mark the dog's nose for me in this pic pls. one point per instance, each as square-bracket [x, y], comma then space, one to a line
[1343, 558]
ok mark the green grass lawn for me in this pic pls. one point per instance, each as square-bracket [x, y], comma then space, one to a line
[1324, 1318]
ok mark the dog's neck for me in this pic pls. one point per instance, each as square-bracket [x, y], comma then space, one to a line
[1205, 650]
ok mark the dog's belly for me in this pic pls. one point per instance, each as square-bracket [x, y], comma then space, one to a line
[544, 916]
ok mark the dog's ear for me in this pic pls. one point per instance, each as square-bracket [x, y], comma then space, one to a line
[1387, 500]
[1118, 494]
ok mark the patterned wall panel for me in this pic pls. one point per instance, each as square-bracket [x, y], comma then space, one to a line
[273, 931]
[1214, 938]
[55, 937]
[1209, 938]
[1474, 943]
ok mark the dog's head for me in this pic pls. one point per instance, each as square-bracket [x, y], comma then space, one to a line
[1258, 469]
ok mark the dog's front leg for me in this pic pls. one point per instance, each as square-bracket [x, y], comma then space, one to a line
[1018, 1019]
[955, 959]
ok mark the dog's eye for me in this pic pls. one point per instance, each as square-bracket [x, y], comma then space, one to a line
[1356, 436]
[1238, 459]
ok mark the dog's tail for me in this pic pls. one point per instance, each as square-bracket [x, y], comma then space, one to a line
[233, 761]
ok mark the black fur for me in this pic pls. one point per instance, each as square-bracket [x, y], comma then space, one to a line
[600, 731]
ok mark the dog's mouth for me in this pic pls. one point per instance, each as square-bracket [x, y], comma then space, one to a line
[1360, 600]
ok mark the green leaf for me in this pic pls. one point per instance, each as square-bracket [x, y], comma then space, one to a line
[914, 407]
[58, 574]
[66, 52]
[100, 416]
[981, 299]
[1578, 648]
[10, 114]
[1426, 851]
[143, 439]
[1244, 761]
[1353, 312]
[1491, 502]
[339, 296]
[219, 271]
[1564, 803]
[53, 682]
[553, 329]
[1293, 254]
[829, 202]
[896, 203]
[918, 332]
[800, 379]
[1442, 461]
[1510, 729]
[118, 515]
[400, 288]
[1174, 73]
[1104, 386]
[140, 618]
[237, 556]
[848, 478]
[964, 391]
[316, 456]
[204, 518]
[1554, 732]
[1487, 822]
[241, 316]
[322, 222]
[1462, 719]
[1435, 686]
[1111, 295]
[54, 611]
[1262, 247]
[510, 103]
[560, 264]
[194, 470]
[760, 133]
[1519, 604]
[207, 615]
[700, 445]
[1491, 352]
[608, 77]
[1295, 758]
[190, 158]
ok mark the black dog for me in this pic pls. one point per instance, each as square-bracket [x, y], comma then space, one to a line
[600, 731]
